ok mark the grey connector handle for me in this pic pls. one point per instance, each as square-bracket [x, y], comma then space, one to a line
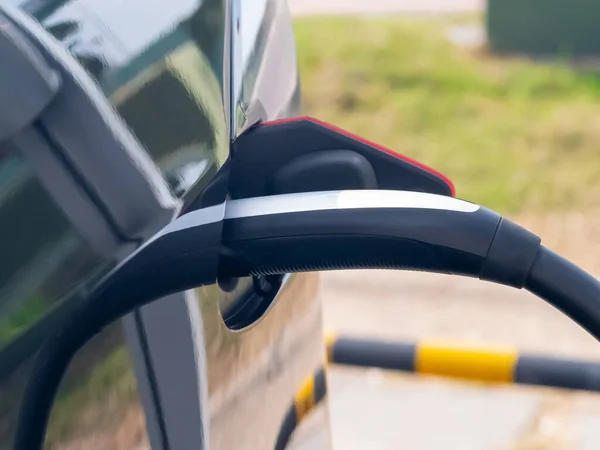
[27, 83]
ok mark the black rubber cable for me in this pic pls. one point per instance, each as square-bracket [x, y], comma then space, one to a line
[85, 322]
[474, 242]
[304, 403]
[53, 361]
[566, 287]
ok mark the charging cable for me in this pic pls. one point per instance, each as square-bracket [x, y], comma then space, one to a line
[310, 232]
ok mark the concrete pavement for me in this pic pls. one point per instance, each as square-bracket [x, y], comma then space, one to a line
[393, 412]
[379, 410]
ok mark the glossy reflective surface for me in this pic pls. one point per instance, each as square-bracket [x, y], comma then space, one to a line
[270, 88]
[161, 66]
[161, 69]
[49, 265]
[253, 374]
[173, 375]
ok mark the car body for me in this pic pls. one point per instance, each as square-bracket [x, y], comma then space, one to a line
[177, 82]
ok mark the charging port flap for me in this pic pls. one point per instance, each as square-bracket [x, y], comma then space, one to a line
[305, 154]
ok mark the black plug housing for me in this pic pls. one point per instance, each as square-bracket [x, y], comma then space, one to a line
[304, 154]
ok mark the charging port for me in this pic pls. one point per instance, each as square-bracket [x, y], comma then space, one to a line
[248, 300]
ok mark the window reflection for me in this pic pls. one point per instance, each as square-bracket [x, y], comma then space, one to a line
[257, 19]
[45, 269]
[44, 258]
[97, 406]
[161, 67]
[269, 87]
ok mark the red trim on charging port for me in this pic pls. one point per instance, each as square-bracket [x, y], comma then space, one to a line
[366, 141]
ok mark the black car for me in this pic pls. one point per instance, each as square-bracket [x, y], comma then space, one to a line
[150, 98]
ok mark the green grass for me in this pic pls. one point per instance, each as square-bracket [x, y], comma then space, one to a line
[511, 134]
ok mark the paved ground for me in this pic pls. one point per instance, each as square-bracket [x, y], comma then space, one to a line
[306, 7]
[378, 410]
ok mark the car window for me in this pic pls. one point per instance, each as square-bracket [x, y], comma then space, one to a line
[163, 76]
[162, 73]
[44, 258]
[46, 268]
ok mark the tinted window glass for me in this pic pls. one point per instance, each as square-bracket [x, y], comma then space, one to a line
[46, 267]
[43, 257]
[161, 67]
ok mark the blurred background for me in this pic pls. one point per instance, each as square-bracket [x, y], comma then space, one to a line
[503, 97]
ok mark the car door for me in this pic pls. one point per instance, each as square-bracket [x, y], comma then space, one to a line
[209, 368]
[82, 189]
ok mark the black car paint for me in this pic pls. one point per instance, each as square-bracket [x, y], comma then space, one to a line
[173, 376]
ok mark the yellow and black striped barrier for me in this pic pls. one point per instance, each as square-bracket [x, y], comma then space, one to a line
[470, 363]
[490, 365]
[311, 392]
